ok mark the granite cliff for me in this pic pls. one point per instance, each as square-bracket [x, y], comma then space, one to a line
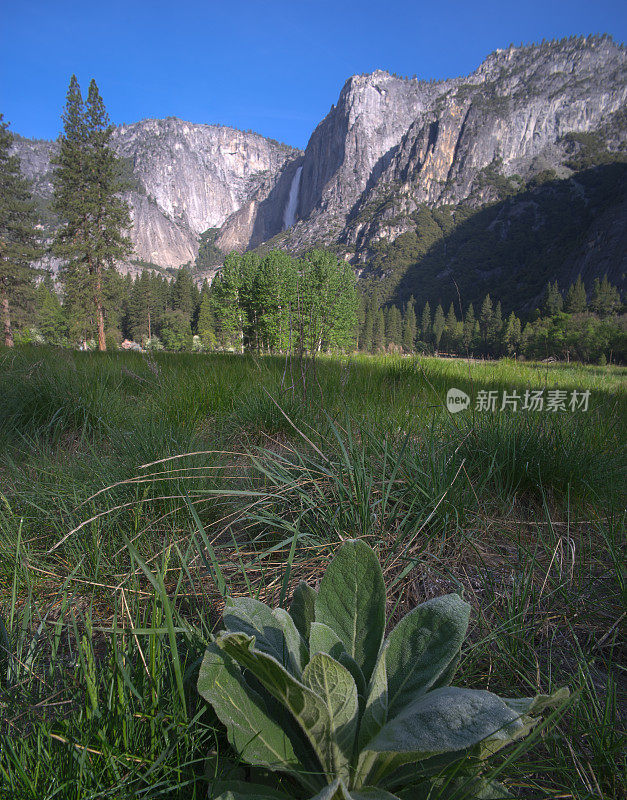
[390, 147]
[183, 178]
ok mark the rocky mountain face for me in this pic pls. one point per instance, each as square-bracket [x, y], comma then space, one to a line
[402, 143]
[184, 179]
[390, 147]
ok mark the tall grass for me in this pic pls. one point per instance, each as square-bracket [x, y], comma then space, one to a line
[112, 575]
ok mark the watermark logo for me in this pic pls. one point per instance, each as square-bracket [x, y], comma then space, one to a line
[551, 400]
[456, 400]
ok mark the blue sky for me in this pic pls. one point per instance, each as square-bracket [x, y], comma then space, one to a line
[271, 66]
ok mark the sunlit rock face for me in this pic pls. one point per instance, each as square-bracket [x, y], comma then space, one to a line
[185, 178]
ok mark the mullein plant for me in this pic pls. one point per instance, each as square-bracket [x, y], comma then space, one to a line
[321, 695]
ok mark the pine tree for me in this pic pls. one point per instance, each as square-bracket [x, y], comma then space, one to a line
[512, 335]
[94, 218]
[439, 323]
[450, 329]
[553, 300]
[18, 237]
[182, 293]
[143, 320]
[394, 326]
[605, 298]
[409, 326]
[50, 318]
[485, 318]
[576, 301]
[526, 340]
[425, 325]
[495, 331]
[469, 329]
[365, 340]
[378, 334]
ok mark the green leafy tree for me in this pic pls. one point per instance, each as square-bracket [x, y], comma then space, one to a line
[206, 323]
[19, 245]
[278, 303]
[94, 218]
[225, 299]
[326, 297]
[275, 289]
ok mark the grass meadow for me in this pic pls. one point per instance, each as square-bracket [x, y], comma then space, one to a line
[137, 491]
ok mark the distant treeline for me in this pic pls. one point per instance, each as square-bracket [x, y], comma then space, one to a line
[567, 326]
[277, 303]
[270, 304]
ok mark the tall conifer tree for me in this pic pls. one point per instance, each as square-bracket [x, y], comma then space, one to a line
[439, 323]
[576, 301]
[425, 325]
[409, 326]
[18, 237]
[87, 186]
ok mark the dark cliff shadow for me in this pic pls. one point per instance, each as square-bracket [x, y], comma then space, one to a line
[553, 230]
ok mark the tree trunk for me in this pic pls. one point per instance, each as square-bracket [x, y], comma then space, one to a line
[102, 343]
[6, 317]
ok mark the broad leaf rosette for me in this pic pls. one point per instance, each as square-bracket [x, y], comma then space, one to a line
[321, 695]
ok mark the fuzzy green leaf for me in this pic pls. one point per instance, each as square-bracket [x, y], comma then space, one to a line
[445, 720]
[302, 608]
[334, 684]
[252, 732]
[306, 707]
[351, 601]
[358, 676]
[536, 705]
[421, 648]
[323, 639]
[249, 616]
[375, 712]
[297, 649]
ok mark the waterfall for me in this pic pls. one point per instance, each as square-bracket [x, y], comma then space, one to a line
[289, 215]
